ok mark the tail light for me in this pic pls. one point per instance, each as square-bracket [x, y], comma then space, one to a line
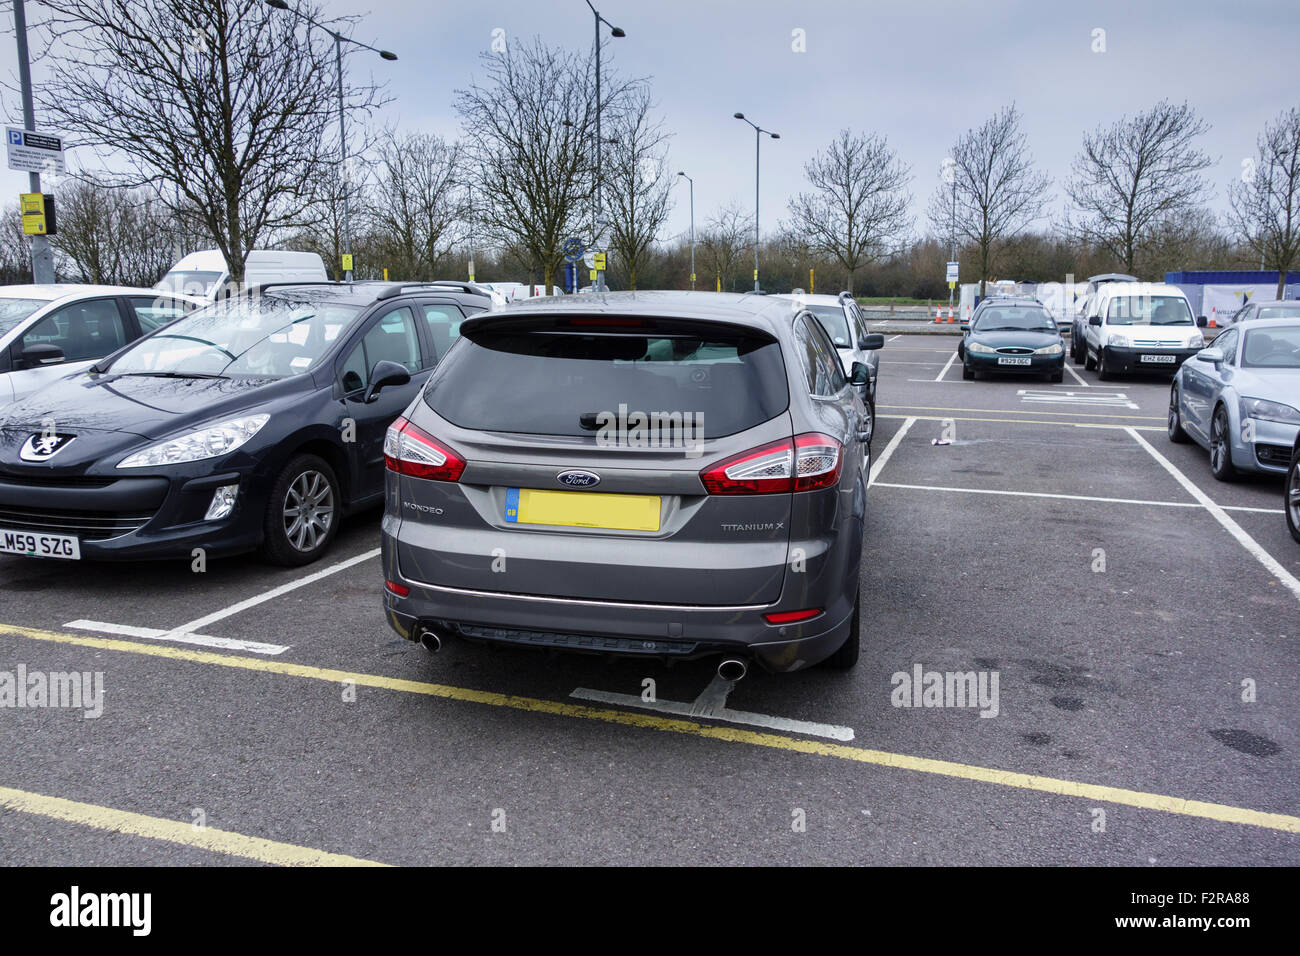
[410, 450]
[792, 617]
[806, 463]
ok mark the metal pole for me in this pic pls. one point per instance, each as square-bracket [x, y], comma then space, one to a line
[692, 182]
[952, 229]
[343, 154]
[42, 256]
[758, 140]
[600, 170]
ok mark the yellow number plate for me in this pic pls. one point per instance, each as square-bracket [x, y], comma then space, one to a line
[582, 509]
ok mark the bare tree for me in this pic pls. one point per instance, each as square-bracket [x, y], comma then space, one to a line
[115, 236]
[998, 192]
[229, 103]
[15, 248]
[416, 202]
[1132, 178]
[1265, 204]
[530, 161]
[727, 236]
[638, 186]
[858, 208]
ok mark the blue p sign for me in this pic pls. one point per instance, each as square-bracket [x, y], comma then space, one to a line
[16, 137]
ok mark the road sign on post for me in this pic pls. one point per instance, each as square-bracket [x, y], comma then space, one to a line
[32, 152]
[952, 274]
[572, 249]
[600, 261]
[38, 214]
[347, 261]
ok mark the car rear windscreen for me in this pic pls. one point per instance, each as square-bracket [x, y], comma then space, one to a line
[555, 382]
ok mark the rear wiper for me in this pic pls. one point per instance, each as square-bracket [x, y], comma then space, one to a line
[174, 374]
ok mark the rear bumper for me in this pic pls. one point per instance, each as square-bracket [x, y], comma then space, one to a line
[665, 632]
[1130, 359]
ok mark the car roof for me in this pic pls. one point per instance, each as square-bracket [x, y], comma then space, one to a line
[365, 292]
[1273, 303]
[810, 298]
[1113, 289]
[1113, 277]
[62, 290]
[761, 311]
[1255, 325]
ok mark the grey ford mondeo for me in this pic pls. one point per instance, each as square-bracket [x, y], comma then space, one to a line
[667, 474]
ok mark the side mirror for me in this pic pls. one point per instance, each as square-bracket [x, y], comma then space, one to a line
[1094, 320]
[965, 326]
[1202, 322]
[871, 341]
[385, 374]
[861, 374]
[35, 356]
[1214, 356]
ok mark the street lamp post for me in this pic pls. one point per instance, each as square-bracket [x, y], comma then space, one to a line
[692, 182]
[339, 40]
[600, 171]
[758, 139]
[42, 256]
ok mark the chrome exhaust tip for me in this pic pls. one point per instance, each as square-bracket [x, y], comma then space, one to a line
[430, 640]
[733, 669]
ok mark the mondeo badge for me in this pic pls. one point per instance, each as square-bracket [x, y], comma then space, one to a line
[578, 479]
[43, 446]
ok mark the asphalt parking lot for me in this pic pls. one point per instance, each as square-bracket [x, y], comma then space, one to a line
[1139, 616]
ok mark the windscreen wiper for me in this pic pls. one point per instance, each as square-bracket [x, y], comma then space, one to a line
[174, 374]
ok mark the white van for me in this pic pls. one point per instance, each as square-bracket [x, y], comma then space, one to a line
[204, 274]
[1139, 327]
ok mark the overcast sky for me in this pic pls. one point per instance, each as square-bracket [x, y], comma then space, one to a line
[920, 73]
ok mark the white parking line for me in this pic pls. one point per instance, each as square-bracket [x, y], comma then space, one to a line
[1271, 564]
[207, 619]
[879, 463]
[895, 338]
[830, 731]
[158, 634]
[1045, 494]
[1112, 399]
[1077, 377]
[951, 359]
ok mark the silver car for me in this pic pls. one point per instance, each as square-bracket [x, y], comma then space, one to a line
[844, 322]
[1240, 398]
[667, 475]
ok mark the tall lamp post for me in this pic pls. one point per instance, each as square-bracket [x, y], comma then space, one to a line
[339, 40]
[42, 256]
[758, 139]
[692, 182]
[600, 170]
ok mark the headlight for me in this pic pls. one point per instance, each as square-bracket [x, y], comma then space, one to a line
[1197, 341]
[979, 347]
[1049, 350]
[1269, 411]
[1120, 341]
[209, 442]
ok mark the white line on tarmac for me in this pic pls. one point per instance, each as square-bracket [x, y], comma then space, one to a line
[951, 359]
[158, 634]
[879, 463]
[1271, 564]
[273, 593]
[1044, 494]
[830, 731]
[895, 338]
[1077, 377]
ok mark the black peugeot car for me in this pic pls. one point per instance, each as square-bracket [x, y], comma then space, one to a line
[255, 423]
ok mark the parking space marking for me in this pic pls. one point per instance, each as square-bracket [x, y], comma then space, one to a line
[173, 831]
[158, 634]
[1114, 399]
[952, 358]
[787, 724]
[879, 463]
[1068, 788]
[272, 594]
[1027, 421]
[1077, 377]
[1253, 547]
[1045, 494]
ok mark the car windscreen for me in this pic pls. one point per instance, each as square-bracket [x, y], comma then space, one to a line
[553, 382]
[1014, 318]
[13, 311]
[835, 322]
[1279, 311]
[262, 336]
[196, 282]
[1149, 310]
[1275, 347]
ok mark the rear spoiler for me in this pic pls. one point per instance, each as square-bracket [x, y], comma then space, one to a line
[579, 322]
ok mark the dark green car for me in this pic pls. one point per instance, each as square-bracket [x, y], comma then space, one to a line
[1018, 337]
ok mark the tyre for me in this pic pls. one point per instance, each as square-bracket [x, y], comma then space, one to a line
[1220, 447]
[1104, 374]
[1292, 496]
[302, 512]
[1175, 424]
[847, 655]
[1088, 361]
[967, 372]
[871, 420]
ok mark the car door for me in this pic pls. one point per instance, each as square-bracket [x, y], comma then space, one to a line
[842, 410]
[1203, 381]
[442, 321]
[153, 312]
[392, 335]
[82, 331]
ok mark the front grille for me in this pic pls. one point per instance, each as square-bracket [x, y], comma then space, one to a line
[61, 481]
[1273, 454]
[1015, 350]
[91, 525]
[1152, 344]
